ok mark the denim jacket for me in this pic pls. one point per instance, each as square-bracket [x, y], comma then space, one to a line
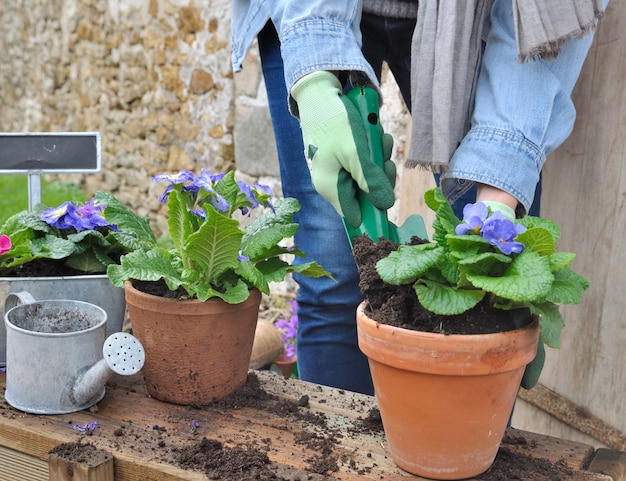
[304, 27]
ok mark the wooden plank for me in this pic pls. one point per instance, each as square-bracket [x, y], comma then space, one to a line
[16, 466]
[142, 433]
[574, 415]
[610, 462]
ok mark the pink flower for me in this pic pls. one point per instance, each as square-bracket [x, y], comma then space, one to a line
[5, 244]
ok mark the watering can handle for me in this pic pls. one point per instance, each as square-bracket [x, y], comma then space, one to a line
[375, 222]
[17, 298]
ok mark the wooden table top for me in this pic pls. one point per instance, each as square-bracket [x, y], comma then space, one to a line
[144, 435]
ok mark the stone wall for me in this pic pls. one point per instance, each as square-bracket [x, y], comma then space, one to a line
[154, 78]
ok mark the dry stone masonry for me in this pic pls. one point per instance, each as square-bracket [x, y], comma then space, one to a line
[153, 77]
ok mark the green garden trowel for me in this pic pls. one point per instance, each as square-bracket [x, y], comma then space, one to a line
[375, 223]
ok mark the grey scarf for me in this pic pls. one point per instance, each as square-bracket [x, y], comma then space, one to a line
[446, 55]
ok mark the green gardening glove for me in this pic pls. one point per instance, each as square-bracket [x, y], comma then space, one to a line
[505, 209]
[336, 144]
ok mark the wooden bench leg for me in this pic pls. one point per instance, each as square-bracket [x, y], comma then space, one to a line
[80, 462]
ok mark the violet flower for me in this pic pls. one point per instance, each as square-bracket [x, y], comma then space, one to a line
[86, 428]
[288, 328]
[61, 217]
[180, 178]
[473, 217]
[501, 232]
[495, 228]
[90, 216]
[194, 427]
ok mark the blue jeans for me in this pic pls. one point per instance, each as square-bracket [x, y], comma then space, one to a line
[327, 347]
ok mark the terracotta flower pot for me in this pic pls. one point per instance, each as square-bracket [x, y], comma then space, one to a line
[196, 352]
[445, 400]
[286, 366]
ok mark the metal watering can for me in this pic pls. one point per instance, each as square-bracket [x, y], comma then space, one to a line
[58, 360]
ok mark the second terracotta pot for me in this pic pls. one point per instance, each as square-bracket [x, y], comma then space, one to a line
[196, 352]
[444, 399]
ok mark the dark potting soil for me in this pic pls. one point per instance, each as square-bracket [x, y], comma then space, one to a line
[45, 268]
[251, 461]
[159, 288]
[398, 305]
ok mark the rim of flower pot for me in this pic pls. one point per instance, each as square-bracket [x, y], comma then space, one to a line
[450, 354]
[54, 278]
[172, 306]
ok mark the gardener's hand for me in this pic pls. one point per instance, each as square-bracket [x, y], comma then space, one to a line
[336, 144]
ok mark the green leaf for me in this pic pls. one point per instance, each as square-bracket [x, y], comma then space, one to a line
[227, 187]
[25, 220]
[129, 224]
[445, 221]
[492, 263]
[143, 265]
[264, 242]
[446, 300]
[86, 262]
[527, 279]
[560, 260]
[52, 247]
[567, 287]
[233, 293]
[408, 263]
[464, 246]
[530, 222]
[214, 247]
[178, 219]
[550, 323]
[254, 275]
[539, 240]
[310, 269]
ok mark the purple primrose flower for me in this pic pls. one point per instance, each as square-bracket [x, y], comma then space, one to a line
[180, 178]
[495, 228]
[61, 217]
[501, 232]
[86, 428]
[194, 427]
[473, 217]
[69, 216]
[90, 216]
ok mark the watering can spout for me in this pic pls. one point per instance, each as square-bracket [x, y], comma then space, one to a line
[122, 354]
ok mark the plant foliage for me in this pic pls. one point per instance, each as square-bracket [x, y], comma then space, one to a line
[512, 264]
[213, 254]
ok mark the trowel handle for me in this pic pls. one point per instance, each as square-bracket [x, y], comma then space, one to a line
[374, 221]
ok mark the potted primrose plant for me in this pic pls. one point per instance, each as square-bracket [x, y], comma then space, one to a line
[194, 304]
[62, 253]
[445, 396]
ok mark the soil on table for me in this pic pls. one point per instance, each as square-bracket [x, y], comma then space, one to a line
[398, 305]
[221, 460]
